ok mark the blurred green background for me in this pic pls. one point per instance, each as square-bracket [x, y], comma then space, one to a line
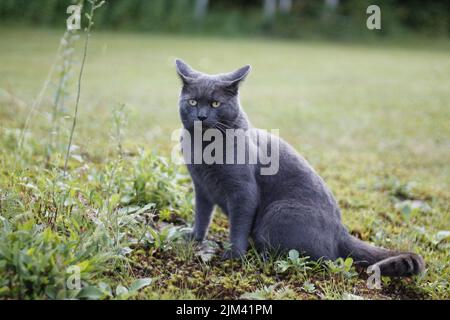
[337, 19]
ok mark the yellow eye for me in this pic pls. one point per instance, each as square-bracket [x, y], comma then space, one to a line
[192, 102]
[215, 104]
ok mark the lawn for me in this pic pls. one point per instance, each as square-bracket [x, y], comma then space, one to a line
[373, 120]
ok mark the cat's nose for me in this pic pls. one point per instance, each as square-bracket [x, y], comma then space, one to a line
[202, 117]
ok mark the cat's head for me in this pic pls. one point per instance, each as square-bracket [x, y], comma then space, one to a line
[211, 99]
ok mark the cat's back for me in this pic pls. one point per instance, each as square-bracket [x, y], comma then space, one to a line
[295, 180]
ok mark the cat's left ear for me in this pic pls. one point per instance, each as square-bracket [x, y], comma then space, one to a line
[185, 72]
[232, 80]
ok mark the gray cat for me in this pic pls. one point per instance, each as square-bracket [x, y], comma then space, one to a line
[292, 209]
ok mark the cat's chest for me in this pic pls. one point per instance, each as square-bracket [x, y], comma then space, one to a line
[211, 178]
[218, 182]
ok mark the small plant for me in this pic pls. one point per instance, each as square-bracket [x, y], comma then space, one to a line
[186, 251]
[399, 190]
[104, 290]
[439, 240]
[294, 262]
[341, 267]
[410, 208]
[90, 16]
[35, 260]
[65, 68]
[165, 238]
[151, 179]
[309, 287]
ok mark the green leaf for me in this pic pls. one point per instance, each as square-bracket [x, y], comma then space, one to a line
[348, 263]
[409, 207]
[105, 288]
[442, 235]
[146, 208]
[293, 255]
[282, 266]
[4, 291]
[50, 291]
[139, 284]
[258, 295]
[92, 293]
[121, 290]
[114, 200]
[309, 287]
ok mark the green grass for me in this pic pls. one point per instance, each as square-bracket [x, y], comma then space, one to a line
[373, 121]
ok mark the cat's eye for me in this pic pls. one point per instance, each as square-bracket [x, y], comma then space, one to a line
[192, 102]
[215, 104]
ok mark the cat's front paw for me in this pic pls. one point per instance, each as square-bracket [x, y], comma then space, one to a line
[232, 255]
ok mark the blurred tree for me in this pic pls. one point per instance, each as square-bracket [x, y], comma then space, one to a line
[201, 8]
[270, 8]
[332, 4]
[329, 9]
[332, 18]
[285, 6]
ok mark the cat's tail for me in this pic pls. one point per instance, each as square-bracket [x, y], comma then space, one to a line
[390, 263]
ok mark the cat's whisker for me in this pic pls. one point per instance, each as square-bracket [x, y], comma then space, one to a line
[222, 125]
[218, 127]
[225, 125]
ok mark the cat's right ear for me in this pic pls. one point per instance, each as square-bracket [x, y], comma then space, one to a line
[185, 72]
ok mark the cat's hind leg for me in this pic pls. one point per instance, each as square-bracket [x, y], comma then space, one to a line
[288, 225]
[389, 262]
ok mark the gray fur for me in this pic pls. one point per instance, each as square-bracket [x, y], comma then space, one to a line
[292, 209]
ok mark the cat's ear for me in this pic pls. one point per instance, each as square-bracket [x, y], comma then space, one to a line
[232, 80]
[185, 72]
